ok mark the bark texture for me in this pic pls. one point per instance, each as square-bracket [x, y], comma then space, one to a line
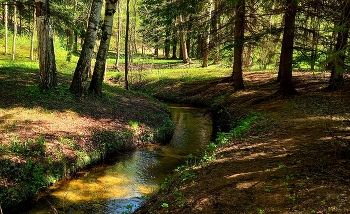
[47, 62]
[238, 48]
[207, 36]
[100, 65]
[286, 59]
[183, 45]
[84, 63]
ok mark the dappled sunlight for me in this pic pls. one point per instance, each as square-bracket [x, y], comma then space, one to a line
[243, 174]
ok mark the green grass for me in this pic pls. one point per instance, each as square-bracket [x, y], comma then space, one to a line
[28, 165]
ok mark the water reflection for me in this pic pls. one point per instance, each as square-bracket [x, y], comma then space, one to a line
[120, 186]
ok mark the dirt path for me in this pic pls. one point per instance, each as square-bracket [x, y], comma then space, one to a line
[295, 159]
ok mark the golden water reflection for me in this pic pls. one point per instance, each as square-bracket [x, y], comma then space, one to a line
[111, 188]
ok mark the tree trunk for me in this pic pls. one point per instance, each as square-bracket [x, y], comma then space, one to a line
[19, 30]
[6, 27]
[207, 36]
[32, 39]
[183, 41]
[216, 23]
[119, 32]
[127, 44]
[134, 45]
[238, 47]
[167, 44]
[100, 65]
[338, 64]
[14, 31]
[286, 59]
[175, 40]
[84, 63]
[47, 62]
[70, 44]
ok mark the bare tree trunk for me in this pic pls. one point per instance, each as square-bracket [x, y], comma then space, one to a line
[14, 31]
[47, 62]
[32, 39]
[100, 65]
[71, 38]
[207, 36]
[127, 44]
[182, 34]
[119, 32]
[6, 27]
[216, 23]
[239, 42]
[84, 63]
[134, 45]
[286, 59]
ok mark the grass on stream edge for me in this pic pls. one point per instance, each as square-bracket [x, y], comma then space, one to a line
[46, 136]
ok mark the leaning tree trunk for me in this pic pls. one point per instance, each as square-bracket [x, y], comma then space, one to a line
[47, 62]
[14, 31]
[238, 47]
[286, 59]
[338, 64]
[84, 63]
[207, 36]
[100, 65]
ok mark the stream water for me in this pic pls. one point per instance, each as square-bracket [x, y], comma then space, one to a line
[120, 184]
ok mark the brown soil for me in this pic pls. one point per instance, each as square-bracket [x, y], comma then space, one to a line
[295, 159]
[47, 136]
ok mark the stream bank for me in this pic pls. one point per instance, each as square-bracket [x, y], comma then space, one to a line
[49, 136]
[121, 184]
[293, 156]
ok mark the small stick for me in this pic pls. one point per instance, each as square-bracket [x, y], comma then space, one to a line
[0, 210]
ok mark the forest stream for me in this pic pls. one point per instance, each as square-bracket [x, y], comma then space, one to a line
[120, 185]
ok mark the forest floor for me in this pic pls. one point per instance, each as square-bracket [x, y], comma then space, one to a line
[47, 136]
[294, 158]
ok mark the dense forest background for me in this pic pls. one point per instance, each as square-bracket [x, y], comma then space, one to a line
[241, 59]
[255, 35]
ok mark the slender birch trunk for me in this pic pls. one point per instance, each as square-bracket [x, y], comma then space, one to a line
[14, 31]
[119, 32]
[100, 65]
[84, 63]
[6, 28]
[32, 39]
[127, 44]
